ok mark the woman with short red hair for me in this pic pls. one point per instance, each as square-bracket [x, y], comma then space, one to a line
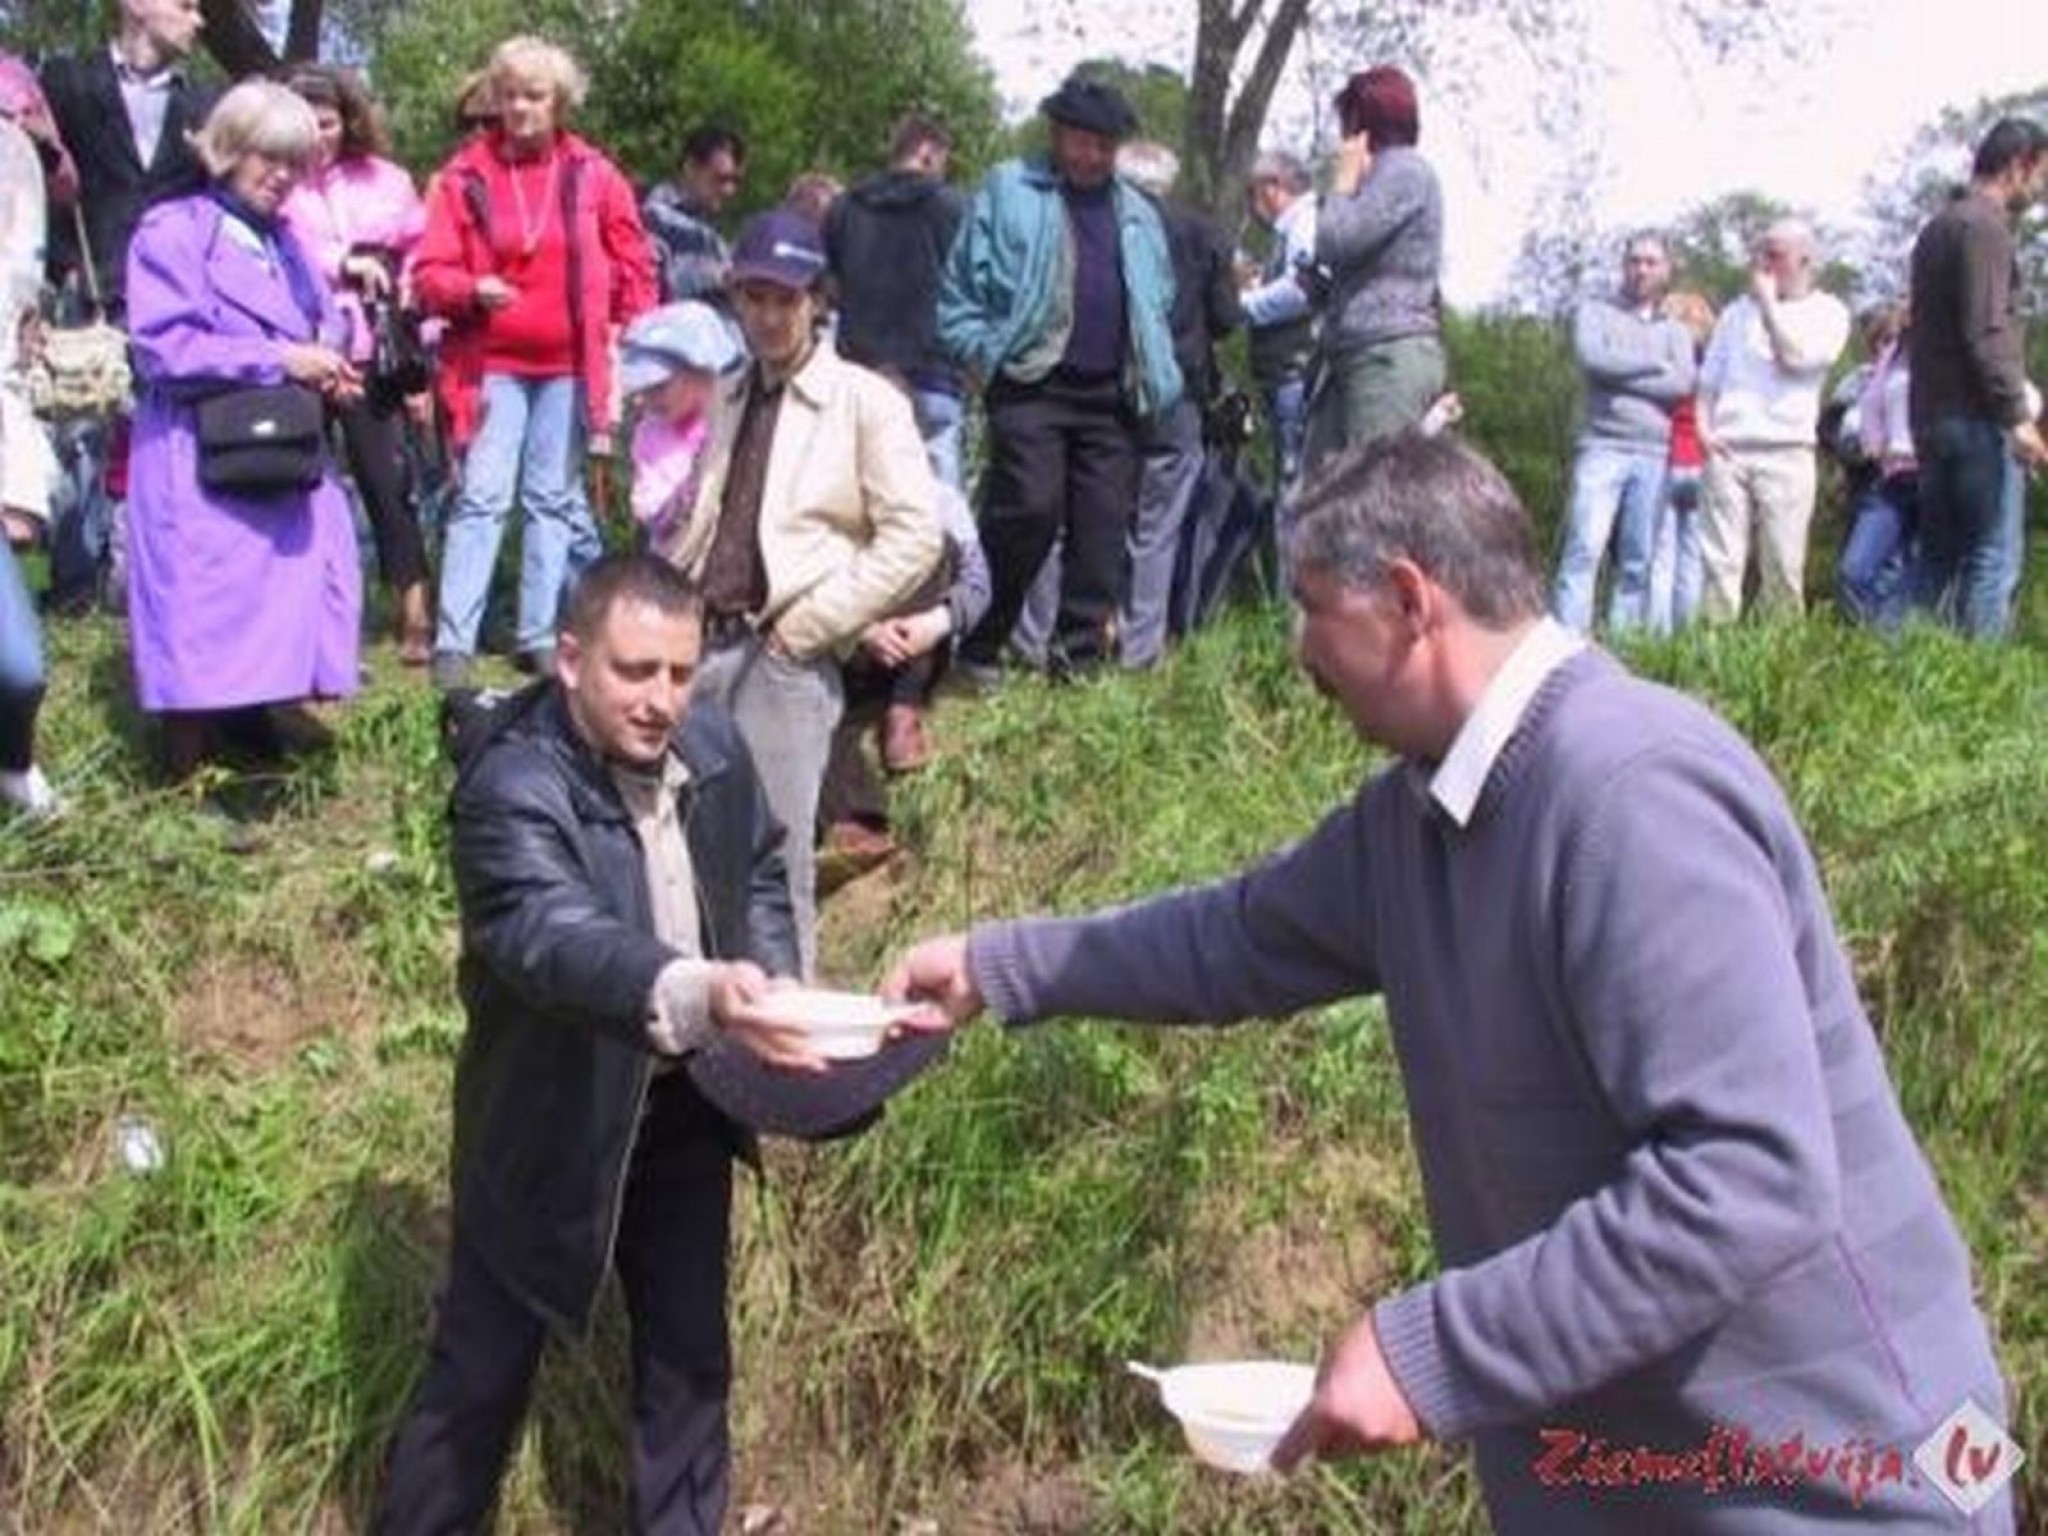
[1380, 240]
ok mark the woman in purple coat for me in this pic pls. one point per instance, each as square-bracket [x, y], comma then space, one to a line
[235, 602]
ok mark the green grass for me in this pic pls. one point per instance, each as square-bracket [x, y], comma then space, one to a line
[931, 1320]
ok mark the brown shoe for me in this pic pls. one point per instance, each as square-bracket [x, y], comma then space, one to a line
[851, 849]
[905, 748]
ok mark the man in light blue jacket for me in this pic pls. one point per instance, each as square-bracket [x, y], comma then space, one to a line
[1056, 300]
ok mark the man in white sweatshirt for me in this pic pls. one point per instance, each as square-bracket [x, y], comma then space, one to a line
[1759, 402]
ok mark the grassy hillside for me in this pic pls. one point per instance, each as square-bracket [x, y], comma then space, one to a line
[931, 1320]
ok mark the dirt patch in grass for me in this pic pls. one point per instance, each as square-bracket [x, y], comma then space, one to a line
[1304, 1272]
[257, 1010]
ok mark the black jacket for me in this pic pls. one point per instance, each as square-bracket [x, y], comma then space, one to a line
[1205, 302]
[114, 186]
[886, 242]
[558, 964]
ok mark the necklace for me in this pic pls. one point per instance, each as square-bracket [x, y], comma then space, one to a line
[531, 229]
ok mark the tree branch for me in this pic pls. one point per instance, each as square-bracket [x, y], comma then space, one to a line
[235, 41]
[302, 32]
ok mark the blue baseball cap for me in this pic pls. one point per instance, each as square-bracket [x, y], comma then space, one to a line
[780, 246]
[665, 341]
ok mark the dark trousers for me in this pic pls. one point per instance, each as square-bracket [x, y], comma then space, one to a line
[374, 441]
[1063, 464]
[450, 1452]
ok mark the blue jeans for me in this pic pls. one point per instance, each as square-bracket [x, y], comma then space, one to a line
[1287, 408]
[21, 666]
[939, 416]
[1677, 572]
[1873, 575]
[531, 442]
[1618, 492]
[1972, 526]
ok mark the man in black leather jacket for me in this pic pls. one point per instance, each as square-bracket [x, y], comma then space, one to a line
[624, 907]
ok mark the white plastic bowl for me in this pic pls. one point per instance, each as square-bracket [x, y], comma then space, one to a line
[1234, 1412]
[842, 1026]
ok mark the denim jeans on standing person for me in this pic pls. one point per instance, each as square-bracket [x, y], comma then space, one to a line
[940, 415]
[530, 442]
[21, 666]
[1287, 410]
[1617, 492]
[1676, 571]
[1873, 574]
[1972, 526]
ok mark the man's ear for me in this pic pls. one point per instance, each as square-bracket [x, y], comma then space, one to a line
[1416, 597]
[569, 659]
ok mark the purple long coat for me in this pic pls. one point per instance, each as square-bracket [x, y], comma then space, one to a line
[231, 600]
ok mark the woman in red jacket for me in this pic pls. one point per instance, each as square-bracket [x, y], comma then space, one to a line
[535, 255]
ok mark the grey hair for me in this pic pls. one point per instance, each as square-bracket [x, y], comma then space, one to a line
[1149, 165]
[1278, 165]
[256, 117]
[1434, 502]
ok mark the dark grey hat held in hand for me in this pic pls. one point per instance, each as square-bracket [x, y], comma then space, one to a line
[1091, 104]
[814, 1106]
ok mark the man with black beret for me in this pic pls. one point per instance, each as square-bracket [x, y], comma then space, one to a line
[1057, 300]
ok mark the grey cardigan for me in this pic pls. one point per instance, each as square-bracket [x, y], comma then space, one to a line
[1384, 248]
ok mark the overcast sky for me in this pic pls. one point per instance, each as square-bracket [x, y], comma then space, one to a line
[1810, 136]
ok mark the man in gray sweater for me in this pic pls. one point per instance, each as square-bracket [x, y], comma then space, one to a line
[1696, 1273]
[1638, 364]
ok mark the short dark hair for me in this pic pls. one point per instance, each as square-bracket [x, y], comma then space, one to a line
[616, 579]
[321, 85]
[912, 133]
[2010, 139]
[1431, 500]
[710, 139]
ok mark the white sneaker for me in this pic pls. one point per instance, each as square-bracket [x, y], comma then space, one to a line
[30, 793]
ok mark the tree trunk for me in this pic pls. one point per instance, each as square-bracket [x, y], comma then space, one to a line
[237, 42]
[302, 31]
[1222, 135]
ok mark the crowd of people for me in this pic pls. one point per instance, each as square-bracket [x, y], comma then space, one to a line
[637, 834]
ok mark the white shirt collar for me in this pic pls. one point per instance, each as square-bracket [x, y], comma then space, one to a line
[1463, 773]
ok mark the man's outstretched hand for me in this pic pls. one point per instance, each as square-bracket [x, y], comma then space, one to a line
[936, 972]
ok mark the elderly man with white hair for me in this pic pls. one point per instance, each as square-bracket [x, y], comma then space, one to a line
[1759, 402]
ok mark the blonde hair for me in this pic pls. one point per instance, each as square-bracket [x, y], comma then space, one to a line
[1692, 311]
[533, 58]
[257, 117]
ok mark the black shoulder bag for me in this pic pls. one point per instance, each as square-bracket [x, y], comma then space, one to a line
[265, 440]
